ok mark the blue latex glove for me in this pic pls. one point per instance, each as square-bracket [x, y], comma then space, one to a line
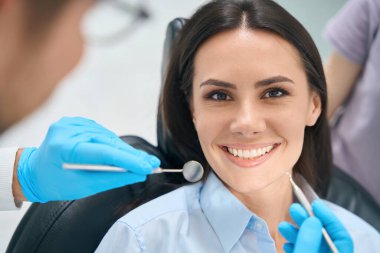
[308, 238]
[81, 141]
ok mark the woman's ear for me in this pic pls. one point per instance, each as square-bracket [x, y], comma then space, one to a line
[195, 124]
[315, 109]
[191, 107]
[194, 120]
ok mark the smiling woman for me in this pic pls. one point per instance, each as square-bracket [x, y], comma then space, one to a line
[245, 95]
[247, 116]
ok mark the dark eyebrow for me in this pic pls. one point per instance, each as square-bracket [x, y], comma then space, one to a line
[218, 83]
[261, 83]
[274, 79]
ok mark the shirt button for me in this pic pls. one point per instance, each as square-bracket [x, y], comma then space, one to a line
[258, 226]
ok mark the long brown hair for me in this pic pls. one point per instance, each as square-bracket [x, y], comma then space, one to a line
[179, 140]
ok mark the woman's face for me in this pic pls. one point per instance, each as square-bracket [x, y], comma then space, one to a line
[250, 105]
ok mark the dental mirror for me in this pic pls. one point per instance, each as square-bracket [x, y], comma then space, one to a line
[192, 171]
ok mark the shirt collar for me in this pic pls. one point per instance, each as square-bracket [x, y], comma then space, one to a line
[217, 203]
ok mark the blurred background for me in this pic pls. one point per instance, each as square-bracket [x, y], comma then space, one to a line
[117, 82]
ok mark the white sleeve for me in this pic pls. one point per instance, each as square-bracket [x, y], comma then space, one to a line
[7, 159]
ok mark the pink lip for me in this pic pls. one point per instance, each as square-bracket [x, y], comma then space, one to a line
[249, 163]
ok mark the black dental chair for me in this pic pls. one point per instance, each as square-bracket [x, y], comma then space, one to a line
[79, 226]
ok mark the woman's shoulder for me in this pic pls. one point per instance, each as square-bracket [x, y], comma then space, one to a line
[182, 200]
[168, 214]
[365, 237]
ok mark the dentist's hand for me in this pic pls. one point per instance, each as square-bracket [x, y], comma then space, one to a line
[308, 238]
[80, 141]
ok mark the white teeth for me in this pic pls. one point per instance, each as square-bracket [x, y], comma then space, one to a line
[249, 153]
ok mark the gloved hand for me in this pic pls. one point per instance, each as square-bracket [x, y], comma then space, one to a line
[81, 141]
[308, 238]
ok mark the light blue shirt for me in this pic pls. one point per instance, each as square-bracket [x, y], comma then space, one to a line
[209, 218]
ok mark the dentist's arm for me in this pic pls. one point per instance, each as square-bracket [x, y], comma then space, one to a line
[308, 238]
[39, 177]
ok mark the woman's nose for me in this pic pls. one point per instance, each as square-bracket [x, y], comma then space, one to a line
[248, 120]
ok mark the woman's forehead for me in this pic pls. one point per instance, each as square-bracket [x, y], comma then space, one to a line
[246, 49]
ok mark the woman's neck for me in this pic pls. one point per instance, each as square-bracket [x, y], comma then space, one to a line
[271, 204]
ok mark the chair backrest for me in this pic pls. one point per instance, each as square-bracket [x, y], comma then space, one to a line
[79, 226]
[348, 193]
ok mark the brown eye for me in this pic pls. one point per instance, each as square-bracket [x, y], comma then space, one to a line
[219, 96]
[275, 93]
